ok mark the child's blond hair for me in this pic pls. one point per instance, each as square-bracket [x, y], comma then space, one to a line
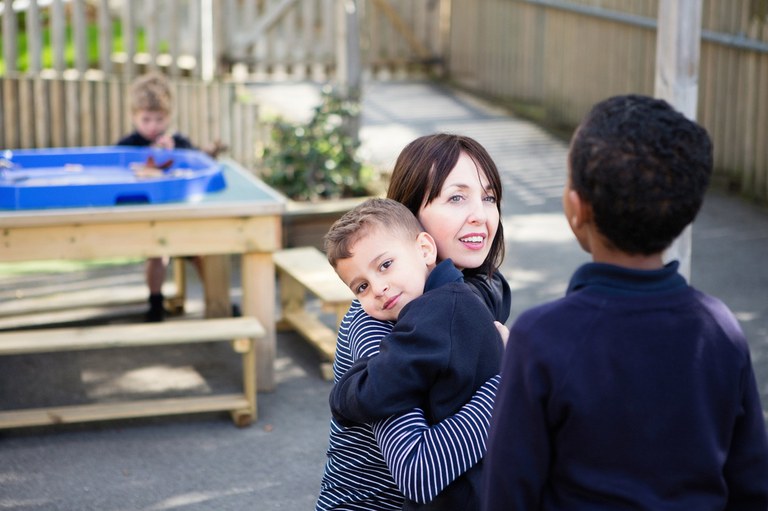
[151, 92]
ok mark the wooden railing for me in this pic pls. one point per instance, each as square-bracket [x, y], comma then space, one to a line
[554, 58]
[56, 112]
[67, 63]
[263, 39]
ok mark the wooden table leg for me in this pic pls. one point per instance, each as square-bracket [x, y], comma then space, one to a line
[216, 286]
[258, 274]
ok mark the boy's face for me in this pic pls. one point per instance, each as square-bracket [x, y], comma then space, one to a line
[151, 124]
[387, 271]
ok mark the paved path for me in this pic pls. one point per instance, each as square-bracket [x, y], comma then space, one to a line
[204, 463]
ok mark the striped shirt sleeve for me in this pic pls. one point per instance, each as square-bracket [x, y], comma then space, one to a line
[425, 459]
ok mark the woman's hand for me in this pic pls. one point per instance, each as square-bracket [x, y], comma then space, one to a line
[503, 332]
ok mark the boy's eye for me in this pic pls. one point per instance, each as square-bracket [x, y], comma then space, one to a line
[386, 264]
[359, 289]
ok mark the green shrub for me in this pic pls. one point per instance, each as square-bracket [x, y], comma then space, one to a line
[319, 159]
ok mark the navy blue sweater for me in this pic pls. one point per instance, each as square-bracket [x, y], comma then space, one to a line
[634, 391]
[134, 139]
[441, 350]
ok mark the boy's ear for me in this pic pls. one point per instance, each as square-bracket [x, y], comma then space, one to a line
[428, 247]
[580, 211]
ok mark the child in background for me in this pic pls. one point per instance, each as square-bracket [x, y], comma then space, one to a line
[444, 345]
[151, 104]
[635, 390]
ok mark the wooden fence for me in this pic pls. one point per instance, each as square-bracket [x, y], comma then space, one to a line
[67, 63]
[264, 39]
[54, 112]
[552, 59]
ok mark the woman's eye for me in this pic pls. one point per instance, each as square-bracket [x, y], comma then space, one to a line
[455, 198]
[490, 198]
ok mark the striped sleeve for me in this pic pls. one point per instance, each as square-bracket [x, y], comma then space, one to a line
[424, 460]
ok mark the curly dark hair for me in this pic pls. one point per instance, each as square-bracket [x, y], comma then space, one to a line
[644, 169]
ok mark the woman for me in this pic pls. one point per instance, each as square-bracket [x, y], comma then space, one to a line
[453, 187]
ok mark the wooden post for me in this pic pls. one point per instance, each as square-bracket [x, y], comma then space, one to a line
[348, 66]
[207, 51]
[678, 41]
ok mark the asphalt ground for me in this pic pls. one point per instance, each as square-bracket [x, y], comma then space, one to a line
[202, 461]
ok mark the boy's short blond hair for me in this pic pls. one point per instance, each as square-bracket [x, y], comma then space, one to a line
[372, 214]
[151, 92]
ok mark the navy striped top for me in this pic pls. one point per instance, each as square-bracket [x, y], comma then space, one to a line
[423, 460]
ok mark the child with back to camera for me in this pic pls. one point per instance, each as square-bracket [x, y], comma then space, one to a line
[635, 390]
[444, 344]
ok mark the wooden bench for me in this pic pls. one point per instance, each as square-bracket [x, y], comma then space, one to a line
[306, 270]
[240, 331]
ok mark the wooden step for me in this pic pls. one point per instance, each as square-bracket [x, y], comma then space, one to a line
[310, 267]
[127, 410]
[129, 335]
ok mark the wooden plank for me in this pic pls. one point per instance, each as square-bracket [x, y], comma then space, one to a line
[124, 410]
[310, 267]
[216, 282]
[42, 112]
[105, 37]
[258, 285]
[26, 114]
[129, 39]
[101, 296]
[129, 335]
[34, 39]
[80, 36]
[58, 36]
[10, 33]
[141, 238]
[313, 330]
[58, 116]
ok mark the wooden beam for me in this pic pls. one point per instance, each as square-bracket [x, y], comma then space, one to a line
[266, 21]
[397, 21]
[678, 42]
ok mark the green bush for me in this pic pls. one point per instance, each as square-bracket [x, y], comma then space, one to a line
[319, 159]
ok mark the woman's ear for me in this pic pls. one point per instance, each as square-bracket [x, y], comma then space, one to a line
[428, 247]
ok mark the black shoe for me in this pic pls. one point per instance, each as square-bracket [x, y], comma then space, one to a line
[154, 315]
[156, 312]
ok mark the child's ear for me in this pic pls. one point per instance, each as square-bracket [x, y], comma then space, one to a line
[579, 211]
[428, 247]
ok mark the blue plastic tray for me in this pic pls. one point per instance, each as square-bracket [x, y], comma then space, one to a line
[103, 176]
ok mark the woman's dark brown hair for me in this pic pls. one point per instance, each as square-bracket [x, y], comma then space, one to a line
[424, 165]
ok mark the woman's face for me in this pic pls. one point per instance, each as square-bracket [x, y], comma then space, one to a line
[464, 218]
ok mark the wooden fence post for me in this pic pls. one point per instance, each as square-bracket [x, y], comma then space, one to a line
[678, 41]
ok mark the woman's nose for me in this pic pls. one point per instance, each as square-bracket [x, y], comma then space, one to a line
[477, 214]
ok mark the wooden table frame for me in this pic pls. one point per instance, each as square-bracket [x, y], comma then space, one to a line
[244, 219]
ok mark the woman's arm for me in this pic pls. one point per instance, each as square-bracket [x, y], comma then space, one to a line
[494, 292]
[424, 460]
